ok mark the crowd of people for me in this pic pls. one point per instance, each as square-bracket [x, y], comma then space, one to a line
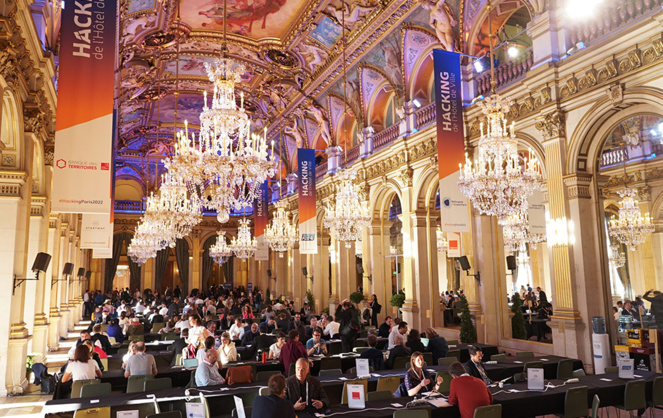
[210, 323]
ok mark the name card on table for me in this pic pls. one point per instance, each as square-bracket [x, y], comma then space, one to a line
[195, 410]
[127, 414]
[535, 379]
[626, 368]
[356, 397]
[239, 406]
[363, 369]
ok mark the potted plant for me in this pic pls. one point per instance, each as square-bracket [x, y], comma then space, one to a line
[309, 299]
[356, 297]
[397, 300]
[468, 333]
[30, 360]
[518, 329]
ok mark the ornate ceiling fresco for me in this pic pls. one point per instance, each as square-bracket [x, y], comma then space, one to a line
[293, 85]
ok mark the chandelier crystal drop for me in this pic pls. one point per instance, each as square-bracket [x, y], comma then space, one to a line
[224, 162]
[516, 232]
[280, 235]
[348, 217]
[243, 246]
[616, 256]
[220, 251]
[442, 241]
[496, 182]
[630, 227]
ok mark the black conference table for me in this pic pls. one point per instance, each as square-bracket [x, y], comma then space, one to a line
[515, 399]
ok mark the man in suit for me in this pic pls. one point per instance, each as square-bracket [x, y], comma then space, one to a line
[466, 391]
[543, 299]
[274, 405]
[173, 308]
[305, 391]
[474, 368]
[374, 356]
[179, 344]
[399, 350]
[251, 335]
[261, 342]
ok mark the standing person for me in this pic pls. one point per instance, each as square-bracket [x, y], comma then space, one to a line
[466, 391]
[274, 405]
[82, 367]
[197, 335]
[656, 306]
[376, 308]
[543, 299]
[292, 350]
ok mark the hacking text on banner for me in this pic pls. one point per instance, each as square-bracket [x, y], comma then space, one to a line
[262, 217]
[307, 202]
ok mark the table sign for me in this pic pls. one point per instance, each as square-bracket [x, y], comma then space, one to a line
[626, 368]
[239, 405]
[535, 379]
[195, 410]
[363, 369]
[127, 414]
[356, 397]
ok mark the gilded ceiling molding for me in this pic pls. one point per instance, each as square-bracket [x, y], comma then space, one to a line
[552, 125]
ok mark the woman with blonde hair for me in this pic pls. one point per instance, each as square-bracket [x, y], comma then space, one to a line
[227, 350]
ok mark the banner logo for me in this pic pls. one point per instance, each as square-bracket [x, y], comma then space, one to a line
[60, 163]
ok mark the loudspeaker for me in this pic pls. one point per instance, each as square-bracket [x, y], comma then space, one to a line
[360, 269]
[81, 272]
[304, 271]
[269, 273]
[464, 263]
[511, 262]
[68, 269]
[41, 262]
[88, 274]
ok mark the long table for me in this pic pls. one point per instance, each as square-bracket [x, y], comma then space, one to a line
[515, 399]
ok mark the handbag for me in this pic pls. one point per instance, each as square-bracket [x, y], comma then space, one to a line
[377, 308]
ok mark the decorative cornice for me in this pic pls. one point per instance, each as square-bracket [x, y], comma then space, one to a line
[578, 185]
[551, 125]
[11, 183]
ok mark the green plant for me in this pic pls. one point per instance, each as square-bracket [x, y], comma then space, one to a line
[398, 299]
[309, 299]
[356, 297]
[468, 333]
[518, 329]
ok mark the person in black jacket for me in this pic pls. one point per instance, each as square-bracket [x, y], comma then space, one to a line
[473, 366]
[414, 341]
[274, 405]
[173, 308]
[179, 344]
[385, 328]
[436, 345]
[98, 336]
[374, 356]
[260, 342]
[399, 350]
[305, 391]
[375, 310]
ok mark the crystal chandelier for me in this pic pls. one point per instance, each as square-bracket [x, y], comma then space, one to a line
[243, 246]
[516, 232]
[616, 256]
[348, 217]
[175, 211]
[496, 183]
[442, 241]
[281, 234]
[220, 251]
[630, 227]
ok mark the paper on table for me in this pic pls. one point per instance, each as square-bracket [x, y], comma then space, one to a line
[636, 375]
[439, 402]
[376, 375]
[94, 400]
[544, 359]
[518, 361]
[317, 414]
[193, 410]
[342, 378]
[397, 405]
[427, 393]
[127, 414]
[453, 346]
[606, 380]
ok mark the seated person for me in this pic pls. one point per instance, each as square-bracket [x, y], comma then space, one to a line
[283, 324]
[385, 328]
[316, 346]
[436, 345]
[248, 337]
[473, 366]
[136, 327]
[374, 356]
[275, 349]
[466, 391]
[274, 405]
[209, 343]
[115, 330]
[399, 350]
[237, 330]
[292, 350]
[207, 373]
[417, 379]
[305, 391]
[140, 363]
[414, 341]
[82, 366]
[270, 324]
[227, 350]
[97, 335]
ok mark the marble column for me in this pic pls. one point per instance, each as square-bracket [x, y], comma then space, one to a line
[51, 282]
[63, 280]
[39, 223]
[334, 257]
[14, 227]
[426, 287]
[319, 269]
[411, 309]
[485, 295]
[379, 266]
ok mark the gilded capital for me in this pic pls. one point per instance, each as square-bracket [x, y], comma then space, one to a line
[551, 125]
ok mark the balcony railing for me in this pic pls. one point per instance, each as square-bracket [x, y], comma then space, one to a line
[507, 73]
[643, 151]
[128, 206]
[425, 115]
[385, 137]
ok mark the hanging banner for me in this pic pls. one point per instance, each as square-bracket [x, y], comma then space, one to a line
[84, 125]
[261, 210]
[454, 209]
[307, 210]
[96, 231]
[454, 245]
[537, 213]
[102, 252]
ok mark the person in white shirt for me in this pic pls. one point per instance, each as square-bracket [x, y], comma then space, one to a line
[400, 329]
[182, 323]
[227, 350]
[164, 309]
[201, 353]
[275, 349]
[211, 307]
[237, 330]
[140, 308]
[125, 321]
[82, 367]
[332, 328]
